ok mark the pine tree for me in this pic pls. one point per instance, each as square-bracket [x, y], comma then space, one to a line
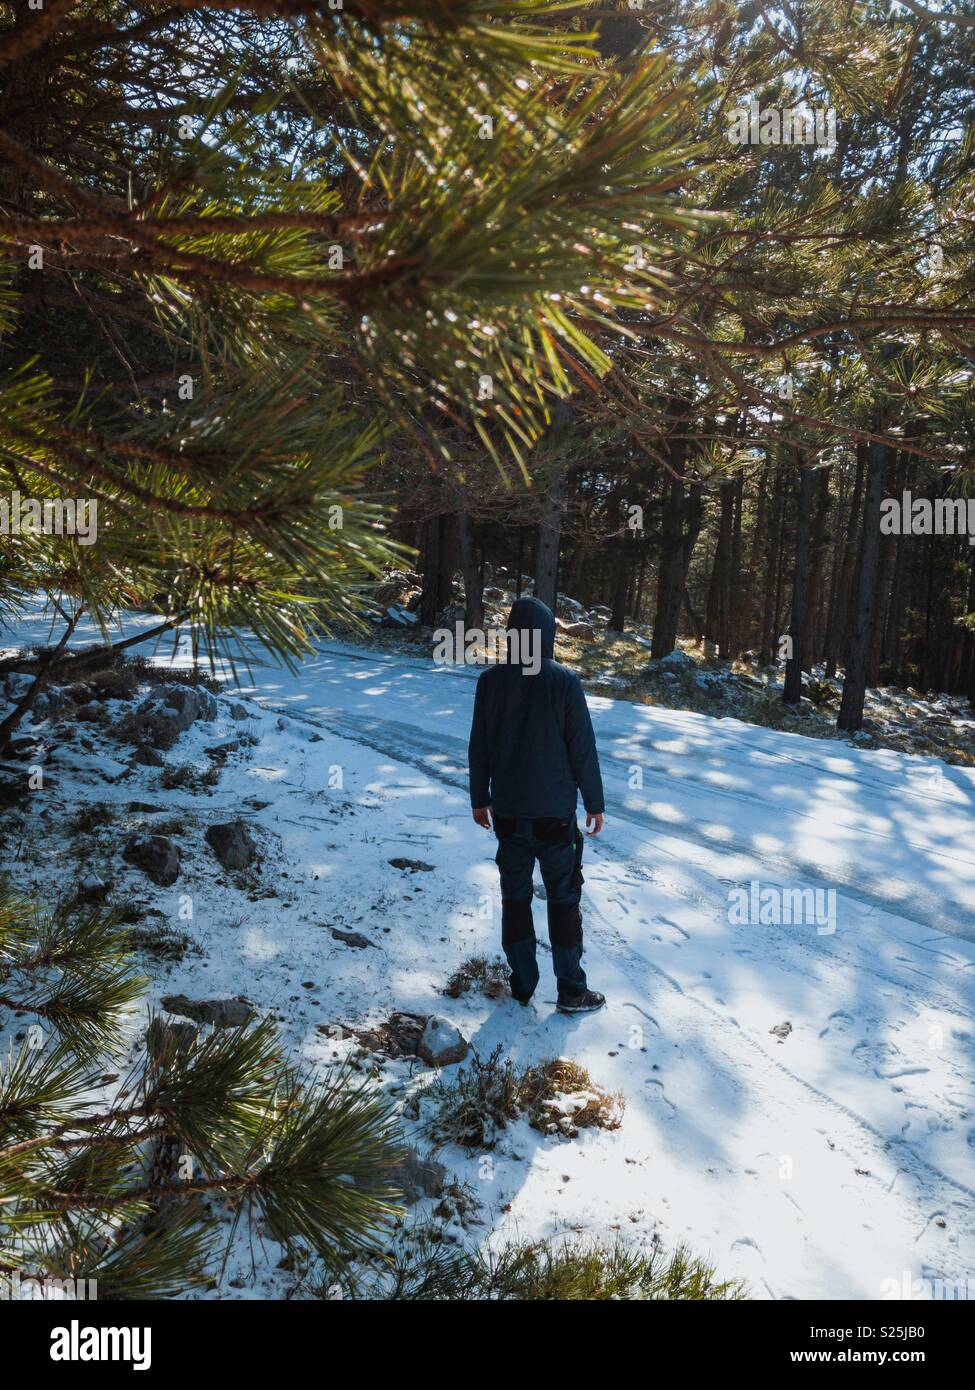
[245, 252]
[117, 1191]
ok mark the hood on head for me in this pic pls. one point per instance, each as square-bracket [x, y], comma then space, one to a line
[530, 613]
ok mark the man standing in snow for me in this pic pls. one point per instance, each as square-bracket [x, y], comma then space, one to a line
[532, 750]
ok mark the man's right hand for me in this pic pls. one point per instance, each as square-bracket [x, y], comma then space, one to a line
[482, 816]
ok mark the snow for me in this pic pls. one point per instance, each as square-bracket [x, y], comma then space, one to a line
[828, 1163]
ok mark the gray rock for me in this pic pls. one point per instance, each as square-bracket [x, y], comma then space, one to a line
[414, 865]
[148, 757]
[190, 703]
[238, 711]
[24, 746]
[165, 1040]
[223, 750]
[711, 686]
[221, 1013]
[569, 608]
[155, 855]
[676, 661]
[417, 1177]
[93, 888]
[583, 631]
[351, 938]
[441, 1043]
[233, 844]
[168, 712]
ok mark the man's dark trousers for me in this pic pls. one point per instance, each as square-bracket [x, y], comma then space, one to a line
[556, 842]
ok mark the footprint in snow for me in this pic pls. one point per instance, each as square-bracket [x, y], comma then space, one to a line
[657, 1096]
[885, 1061]
[748, 1242]
[838, 1022]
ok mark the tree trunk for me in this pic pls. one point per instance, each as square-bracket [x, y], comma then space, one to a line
[436, 591]
[838, 626]
[718, 617]
[818, 546]
[769, 606]
[865, 610]
[549, 535]
[680, 528]
[617, 617]
[473, 599]
[792, 691]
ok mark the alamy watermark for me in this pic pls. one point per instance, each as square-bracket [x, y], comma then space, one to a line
[792, 125]
[474, 646]
[927, 1289]
[59, 516]
[19, 1286]
[770, 904]
[908, 515]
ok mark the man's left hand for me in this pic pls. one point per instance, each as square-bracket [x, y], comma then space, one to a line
[482, 816]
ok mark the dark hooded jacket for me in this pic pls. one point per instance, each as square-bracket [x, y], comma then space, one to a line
[532, 748]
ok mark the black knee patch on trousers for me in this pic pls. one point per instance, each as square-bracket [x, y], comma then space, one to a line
[564, 924]
[516, 920]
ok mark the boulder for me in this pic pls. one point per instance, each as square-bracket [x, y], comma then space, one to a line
[441, 1043]
[233, 844]
[238, 711]
[165, 1040]
[221, 1013]
[168, 712]
[155, 855]
[189, 702]
[24, 746]
[148, 757]
[583, 631]
[676, 660]
[92, 888]
[569, 608]
[397, 616]
[711, 685]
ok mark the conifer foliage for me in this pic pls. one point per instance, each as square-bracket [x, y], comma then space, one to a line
[113, 1179]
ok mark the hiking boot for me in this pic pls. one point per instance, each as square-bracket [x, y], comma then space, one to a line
[586, 1003]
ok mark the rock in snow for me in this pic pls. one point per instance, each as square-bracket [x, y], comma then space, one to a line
[351, 938]
[155, 855]
[233, 844]
[222, 1013]
[441, 1044]
[676, 660]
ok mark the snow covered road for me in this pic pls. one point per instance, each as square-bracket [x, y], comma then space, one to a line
[816, 1166]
